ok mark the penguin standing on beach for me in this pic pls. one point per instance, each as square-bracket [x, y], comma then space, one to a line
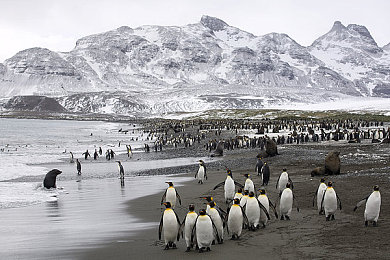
[286, 202]
[170, 226]
[265, 174]
[204, 231]
[244, 198]
[170, 195]
[282, 181]
[238, 194]
[121, 170]
[236, 219]
[189, 222]
[201, 175]
[217, 217]
[252, 211]
[266, 202]
[78, 167]
[229, 186]
[71, 158]
[373, 207]
[320, 194]
[259, 166]
[330, 201]
[249, 185]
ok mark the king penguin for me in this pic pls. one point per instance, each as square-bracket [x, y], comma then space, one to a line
[244, 198]
[170, 226]
[204, 230]
[252, 211]
[283, 180]
[121, 170]
[189, 222]
[201, 175]
[217, 217]
[286, 202]
[266, 202]
[373, 207]
[249, 185]
[170, 195]
[229, 186]
[330, 201]
[236, 219]
[319, 194]
[238, 194]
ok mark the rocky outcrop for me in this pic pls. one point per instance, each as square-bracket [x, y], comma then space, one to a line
[34, 103]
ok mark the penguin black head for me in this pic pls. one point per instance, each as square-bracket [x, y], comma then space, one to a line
[284, 169]
[229, 172]
[330, 184]
[288, 185]
[322, 180]
[191, 207]
[119, 162]
[251, 194]
[237, 201]
[212, 204]
[239, 190]
[208, 198]
[169, 183]
[246, 175]
[246, 192]
[167, 205]
[202, 212]
[262, 191]
[376, 188]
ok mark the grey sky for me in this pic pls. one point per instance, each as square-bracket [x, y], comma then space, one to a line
[57, 24]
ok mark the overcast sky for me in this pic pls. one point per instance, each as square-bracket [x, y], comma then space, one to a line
[57, 24]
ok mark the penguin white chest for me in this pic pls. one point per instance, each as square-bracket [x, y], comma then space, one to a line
[214, 214]
[188, 226]
[235, 220]
[373, 206]
[252, 211]
[320, 194]
[229, 188]
[204, 231]
[243, 200]
[330, 202]
[283, 180]
[249, 185]
[170, 226]
[171, 196]
[286, 202]
[265, 202]
[201, 173]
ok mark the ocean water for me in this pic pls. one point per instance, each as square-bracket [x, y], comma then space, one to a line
[84, 210]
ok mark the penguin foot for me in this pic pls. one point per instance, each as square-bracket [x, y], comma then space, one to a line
[220, 242]
[174, 246]
[196, 247]
[374, 223]
[188, 249]
[287, 218]
[213, 243]
[366, 223]
[233, 237]
[166, 247]
[281, 217]
[332, 217]
[201, 250]
[327, 218]
[208, 249]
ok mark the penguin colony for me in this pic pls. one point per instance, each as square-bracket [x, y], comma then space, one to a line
[246, 211]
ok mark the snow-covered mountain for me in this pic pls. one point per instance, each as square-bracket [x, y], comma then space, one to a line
[207, 65]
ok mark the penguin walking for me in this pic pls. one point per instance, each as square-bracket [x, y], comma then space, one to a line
[244, 198]
[259, 166]
[71, 158]
[266, 202]
[170, 195]
[373, 207]
[252, 211]
[217, 217]
[286, 202]
[229, 186]
[238, 194]
[201, 175]
[265, 174]
[236, 219]
[170, 226]
[204, 230]
[249, 185]
[330, 201]
[320, 194]
[282, 181]
[189, 222]
[78, 167]
[121, 170]
[209, 199]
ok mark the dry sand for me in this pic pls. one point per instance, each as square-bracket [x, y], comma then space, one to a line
[306, 236]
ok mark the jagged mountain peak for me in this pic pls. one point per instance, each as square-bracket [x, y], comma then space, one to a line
[213, 23]
[337, 26]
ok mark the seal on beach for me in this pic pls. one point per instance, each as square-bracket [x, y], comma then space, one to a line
[188, 223]
[236, 219]
[318, 171]
[330, 201]
[219, 150]
[373, 207]
[266, 202]
[204, 231]
[286, 202]
[229, 186]
[50, 179]
[170, 225]
[249, 185]
[320, 194]
[170, 195]
[332, 163]
[252, 211]
[201, 175]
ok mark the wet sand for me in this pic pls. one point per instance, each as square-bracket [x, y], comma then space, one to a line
[306, 236]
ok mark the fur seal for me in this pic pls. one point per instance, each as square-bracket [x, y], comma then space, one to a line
[332, 163]
[50, 179]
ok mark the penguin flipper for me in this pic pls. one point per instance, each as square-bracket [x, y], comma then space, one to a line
[163, 197]
[314, 197]
[322, 201]
[264, 209]
[178, 197]
[360, 203]
[296, 204]
[219, 185]
[291, 182]
[193, 232]
[277, 182]
[339, 201]
[160, 227]
[273, 208]
[215, 230]
[238, 184]
[245, 218]
[205, 172]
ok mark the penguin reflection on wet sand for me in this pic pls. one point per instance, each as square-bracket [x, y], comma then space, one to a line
[373, 207]
[170, 195]
[170, 226]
